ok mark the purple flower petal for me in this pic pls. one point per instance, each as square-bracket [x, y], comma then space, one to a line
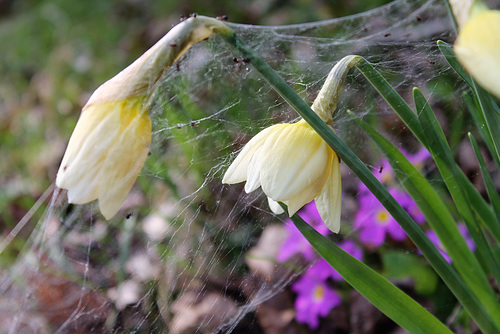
[374, 221]
[435, 240]
[314, 299]
[322, 270]
[418, 159]
[296, 243]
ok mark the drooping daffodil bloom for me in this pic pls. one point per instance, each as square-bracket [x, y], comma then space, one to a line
[293, 164]
[111, 140]
[478, 47]
[106, 153]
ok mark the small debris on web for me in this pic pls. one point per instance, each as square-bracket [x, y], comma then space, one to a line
[222, 18]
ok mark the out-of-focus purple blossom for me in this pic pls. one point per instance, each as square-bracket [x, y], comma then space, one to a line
[323, 271]
[409, 205]
[419, 158]
[435, 240]
[384, 172]
[414, 211]
[296, 243]
[311, 215]
[374, 222]
[314, 299]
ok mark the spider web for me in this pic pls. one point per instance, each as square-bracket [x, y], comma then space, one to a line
[187, 254]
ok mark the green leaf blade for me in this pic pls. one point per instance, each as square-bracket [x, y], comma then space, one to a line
[439, 217]
[393, 302]
[490, 186]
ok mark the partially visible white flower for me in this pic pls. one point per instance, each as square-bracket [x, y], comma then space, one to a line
[461, 10]
[111, 140]
[478, 48]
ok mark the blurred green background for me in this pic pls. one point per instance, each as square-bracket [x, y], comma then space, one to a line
[56, 52]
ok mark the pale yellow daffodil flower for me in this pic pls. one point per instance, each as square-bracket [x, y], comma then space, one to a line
[478, 47]
[292, 163]
[111, 140]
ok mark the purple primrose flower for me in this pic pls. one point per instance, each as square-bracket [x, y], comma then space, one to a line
[323, 271]
[419, 158]
[374, 222]
[435, 240]
[296, 243]
[314, 299]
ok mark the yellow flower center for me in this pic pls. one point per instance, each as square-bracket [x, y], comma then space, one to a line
[382, 217]
[386, 178]
[318, 293]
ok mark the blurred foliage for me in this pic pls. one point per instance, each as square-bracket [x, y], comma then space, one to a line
[57, 52]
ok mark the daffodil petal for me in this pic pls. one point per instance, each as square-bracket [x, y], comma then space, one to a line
[309, 193]
[293, 159]
[478, 49]
[275, 207]
[237, 171]
[125, 159]
[259, 159]
[86, 151]
[253, 171]
[106, 153]
[86, 189]
[329, 200]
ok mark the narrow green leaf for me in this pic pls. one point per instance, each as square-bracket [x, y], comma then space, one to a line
[478, 118]
[480, 207]
[487, 106]
[490, 186]
[475, 201]
[450, 13]
[391, 97]
[440, 219]
[466, 263]
[486, 103]
[389, 299]
[410, 119]
[350, 159]
[450, 57]
[494, 199]
[412, 122]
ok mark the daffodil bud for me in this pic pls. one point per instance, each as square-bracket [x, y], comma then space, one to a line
[325, 103]
[478, 47]
[111, 140]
